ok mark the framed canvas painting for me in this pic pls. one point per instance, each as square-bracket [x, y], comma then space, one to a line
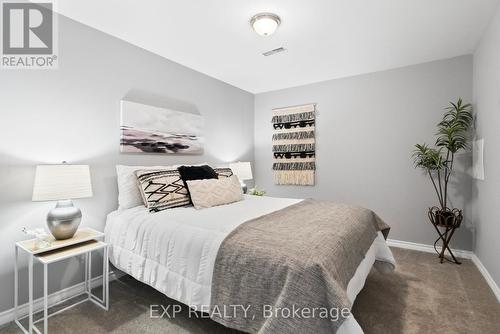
[148, 129]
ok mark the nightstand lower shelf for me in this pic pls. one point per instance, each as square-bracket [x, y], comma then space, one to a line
[46, 258]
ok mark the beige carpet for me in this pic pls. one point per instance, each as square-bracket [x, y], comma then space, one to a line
[422, 296]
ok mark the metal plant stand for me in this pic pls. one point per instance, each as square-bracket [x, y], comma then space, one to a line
[445, 222]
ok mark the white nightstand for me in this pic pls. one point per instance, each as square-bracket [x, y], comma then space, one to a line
[83, 243]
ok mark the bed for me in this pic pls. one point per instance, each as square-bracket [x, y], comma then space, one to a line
[174, 251]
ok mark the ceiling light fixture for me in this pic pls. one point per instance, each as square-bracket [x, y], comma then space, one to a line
[265, 24]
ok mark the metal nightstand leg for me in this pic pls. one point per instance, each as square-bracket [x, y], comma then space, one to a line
[16, 287]
[88, 274]
[105, 274]
[17, 320]
[30, 279]
[104, 302]
[45, 300]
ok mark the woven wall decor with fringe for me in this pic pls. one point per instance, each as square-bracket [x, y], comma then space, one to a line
[294, 148]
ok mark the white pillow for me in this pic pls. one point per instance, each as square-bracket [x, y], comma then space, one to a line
[129, 195]
[212, 192]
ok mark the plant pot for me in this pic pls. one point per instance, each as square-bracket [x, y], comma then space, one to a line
[445, 217]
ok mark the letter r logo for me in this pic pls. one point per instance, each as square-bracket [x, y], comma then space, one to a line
[27, 28]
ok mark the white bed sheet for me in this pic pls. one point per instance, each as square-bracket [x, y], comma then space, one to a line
[174, 250]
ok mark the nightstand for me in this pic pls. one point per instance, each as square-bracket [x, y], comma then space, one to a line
[83, 243]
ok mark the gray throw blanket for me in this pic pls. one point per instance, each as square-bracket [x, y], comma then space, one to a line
[288, 271]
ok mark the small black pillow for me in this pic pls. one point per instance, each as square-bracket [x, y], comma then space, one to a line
[189, 173]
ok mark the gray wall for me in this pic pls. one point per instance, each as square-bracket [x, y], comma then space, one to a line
[487, 106]
[73, 114]
[366, 128]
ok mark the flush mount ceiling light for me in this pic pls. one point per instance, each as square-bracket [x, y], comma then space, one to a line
[265, 24]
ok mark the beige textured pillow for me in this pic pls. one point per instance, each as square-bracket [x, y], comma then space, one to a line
[212, 192]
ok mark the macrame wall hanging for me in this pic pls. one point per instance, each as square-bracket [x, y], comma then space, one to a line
[294, 145]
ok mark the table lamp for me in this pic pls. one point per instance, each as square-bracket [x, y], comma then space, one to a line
[243, 170]
[62, 183]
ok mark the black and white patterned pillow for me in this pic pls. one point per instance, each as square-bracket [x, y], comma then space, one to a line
[162, 189]
[223, 172]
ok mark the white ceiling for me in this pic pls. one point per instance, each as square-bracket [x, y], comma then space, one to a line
[326, 39]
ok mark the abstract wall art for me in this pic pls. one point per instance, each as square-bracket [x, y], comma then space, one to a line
[294, 151]
[149, 129]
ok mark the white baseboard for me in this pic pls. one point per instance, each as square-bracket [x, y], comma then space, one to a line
[458, 253]
[427, 248]
[8, 315]
[482, 269]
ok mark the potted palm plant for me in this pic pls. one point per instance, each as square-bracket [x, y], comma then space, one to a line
[438, 163]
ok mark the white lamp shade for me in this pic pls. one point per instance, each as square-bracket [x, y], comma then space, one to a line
[243, 170]
[61, 182]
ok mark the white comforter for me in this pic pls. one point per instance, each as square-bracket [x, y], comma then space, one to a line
[174, 250]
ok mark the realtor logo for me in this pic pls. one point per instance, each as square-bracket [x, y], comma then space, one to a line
[28, 35]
